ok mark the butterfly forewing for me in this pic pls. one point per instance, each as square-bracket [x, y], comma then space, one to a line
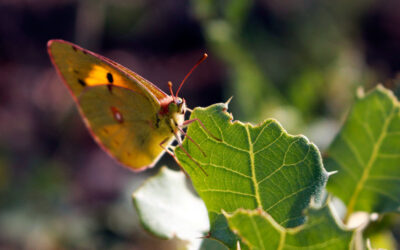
[125, 123]
[81, 68]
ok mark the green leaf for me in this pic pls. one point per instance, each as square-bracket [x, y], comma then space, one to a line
[208, 244]
[168, 209]
[382, 240]
[366, 153]
[321, 231]
[250, 167]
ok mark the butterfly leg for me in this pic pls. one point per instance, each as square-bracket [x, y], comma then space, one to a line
[179, 140]
[190, 138]
[172, 154]
[187, 122]
[176, 159]
[188, 155]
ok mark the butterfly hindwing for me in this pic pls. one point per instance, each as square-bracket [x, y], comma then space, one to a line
[124, 123]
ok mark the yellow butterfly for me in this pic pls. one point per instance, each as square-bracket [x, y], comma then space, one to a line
[128, 116]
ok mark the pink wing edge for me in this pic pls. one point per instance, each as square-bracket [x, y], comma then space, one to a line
[74, 97]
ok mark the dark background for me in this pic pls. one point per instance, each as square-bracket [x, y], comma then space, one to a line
[298, 61]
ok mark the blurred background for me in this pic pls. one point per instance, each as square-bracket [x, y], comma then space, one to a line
[299, 61]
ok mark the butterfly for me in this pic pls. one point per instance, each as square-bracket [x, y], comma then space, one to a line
[128, 116]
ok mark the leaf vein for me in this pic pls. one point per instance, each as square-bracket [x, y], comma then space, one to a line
[354, 150]
[377, 190]
[219, 129]
[256, 229]
[289, 196]
[383, 177]
[212, 190]
[381, 155]
[253, 168]
[284, 165]
[266, 125]
[225, 168]
[270, 144]
[366, 127]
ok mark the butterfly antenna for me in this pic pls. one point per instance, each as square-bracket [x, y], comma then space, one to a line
[190, 72]
[170, 89]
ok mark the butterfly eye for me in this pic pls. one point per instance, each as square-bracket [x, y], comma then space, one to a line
[181, 104]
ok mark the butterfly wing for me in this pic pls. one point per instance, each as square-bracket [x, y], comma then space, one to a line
[125, 124]
[107, 92]
[159, 94]
[81, 68]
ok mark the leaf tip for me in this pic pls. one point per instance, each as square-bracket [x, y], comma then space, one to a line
[332, 173]
[228, 101]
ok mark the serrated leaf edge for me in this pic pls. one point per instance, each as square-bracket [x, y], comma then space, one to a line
[267, 122]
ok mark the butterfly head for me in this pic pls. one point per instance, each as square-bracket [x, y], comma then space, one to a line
[178, 105]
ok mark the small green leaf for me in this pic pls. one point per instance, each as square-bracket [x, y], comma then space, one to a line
[321, 231]
[366, 153]
[168, 209]
[250, 167]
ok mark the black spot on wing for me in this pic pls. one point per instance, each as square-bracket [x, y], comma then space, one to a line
[110, 77]
[82, 82]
